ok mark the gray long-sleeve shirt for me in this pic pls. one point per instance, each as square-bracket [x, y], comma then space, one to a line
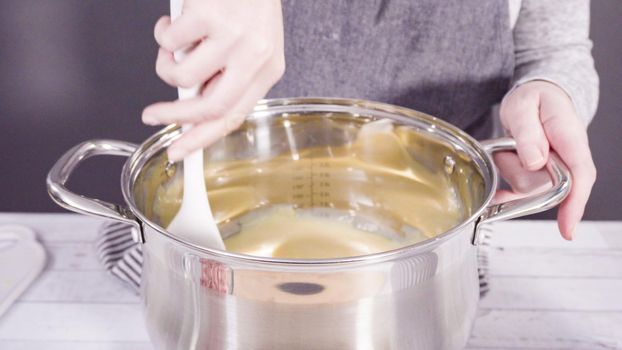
[454, 59]
[551, 42]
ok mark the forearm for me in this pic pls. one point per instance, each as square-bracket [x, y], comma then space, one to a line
[552, 43]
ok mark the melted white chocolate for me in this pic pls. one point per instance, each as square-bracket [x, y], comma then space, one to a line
[282, 233]
[376, 174]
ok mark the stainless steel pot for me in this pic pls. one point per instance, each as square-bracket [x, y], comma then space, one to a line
[422, 296]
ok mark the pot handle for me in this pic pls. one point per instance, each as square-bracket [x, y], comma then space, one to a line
[560, 176]
[64, 167]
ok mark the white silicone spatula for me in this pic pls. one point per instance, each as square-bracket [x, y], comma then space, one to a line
[194, 220]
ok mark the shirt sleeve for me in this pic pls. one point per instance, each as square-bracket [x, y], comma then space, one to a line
[551, 43]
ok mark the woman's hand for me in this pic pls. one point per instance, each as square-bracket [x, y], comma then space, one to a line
[539, 115]
[236, 55]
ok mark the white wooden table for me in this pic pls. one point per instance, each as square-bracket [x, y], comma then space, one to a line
[545, 293]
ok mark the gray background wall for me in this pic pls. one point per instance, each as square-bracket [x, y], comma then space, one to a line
[71, 70]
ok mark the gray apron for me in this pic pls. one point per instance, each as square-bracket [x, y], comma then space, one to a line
[449, 58]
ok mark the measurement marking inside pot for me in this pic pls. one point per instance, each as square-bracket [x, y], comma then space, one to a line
[311, 195]
[311, 184]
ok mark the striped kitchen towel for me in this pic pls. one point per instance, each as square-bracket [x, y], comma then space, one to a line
[123, 257]
[119, 253]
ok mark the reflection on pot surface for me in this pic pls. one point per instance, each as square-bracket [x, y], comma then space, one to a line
[355, 187]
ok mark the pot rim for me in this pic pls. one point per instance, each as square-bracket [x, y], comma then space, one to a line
[267, 107]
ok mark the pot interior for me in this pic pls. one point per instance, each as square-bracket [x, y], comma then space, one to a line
[328, 170]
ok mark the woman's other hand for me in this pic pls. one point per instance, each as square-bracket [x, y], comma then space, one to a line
[540, 116]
